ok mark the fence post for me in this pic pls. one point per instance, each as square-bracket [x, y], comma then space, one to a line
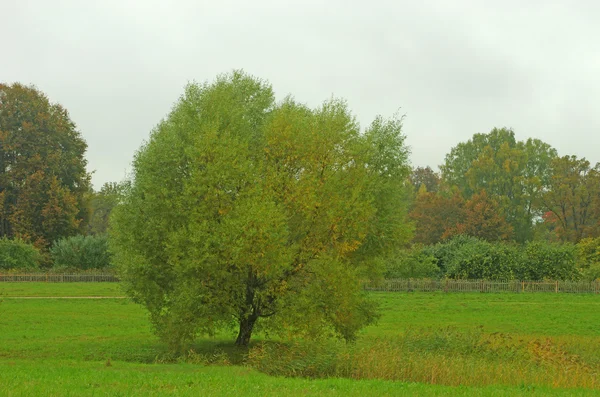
[556, 287]
[522, 286]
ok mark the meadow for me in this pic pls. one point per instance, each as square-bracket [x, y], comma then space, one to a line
[424, 344]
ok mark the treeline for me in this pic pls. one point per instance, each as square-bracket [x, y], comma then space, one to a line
[499, 189]
[504, 209]
[499, 207]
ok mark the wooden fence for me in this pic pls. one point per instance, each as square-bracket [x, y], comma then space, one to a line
[395, 285]
[515, 286]
[59, 278]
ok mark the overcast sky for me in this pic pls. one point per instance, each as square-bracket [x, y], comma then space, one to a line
[453, 67]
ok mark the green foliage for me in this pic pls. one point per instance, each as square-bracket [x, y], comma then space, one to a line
[444, 252]
[511, 171]
[588, 251]
[412, 263]
[471, 258]
[102, 204]
[81, 253]
[552, 261]
[17, 254]
[465, 257]
[591, 273]
[43, 180]
[243, 209]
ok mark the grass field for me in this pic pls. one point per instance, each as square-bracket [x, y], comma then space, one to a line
[425, 344]
[59, 289]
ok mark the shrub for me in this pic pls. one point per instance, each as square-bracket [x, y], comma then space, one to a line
[413, 263]
[443, 253]
[588, 257]
[591, 273]
[81, 253]
[465, 257]
[17, 254]
[588, 252]
[545, 260]
[483, 260]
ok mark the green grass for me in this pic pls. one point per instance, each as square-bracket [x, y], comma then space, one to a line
[524, 314]
[491, 344]
[75, 378]
[59, 289]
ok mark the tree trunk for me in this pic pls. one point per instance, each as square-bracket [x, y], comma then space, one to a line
[246, 326]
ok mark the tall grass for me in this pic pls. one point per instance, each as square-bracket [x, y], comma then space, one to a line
[441, 356]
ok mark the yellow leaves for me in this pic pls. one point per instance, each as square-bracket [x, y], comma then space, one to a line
[349, 246]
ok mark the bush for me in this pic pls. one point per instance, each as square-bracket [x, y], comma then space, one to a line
[81, 253]
[591, 273]
[444, 253]
[465, 257]
[483, 260]
[412, 263]
[588, 252]
[17, 254]
[544, 260]
[588, 257]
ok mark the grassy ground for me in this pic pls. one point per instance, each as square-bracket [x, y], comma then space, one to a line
[75, 378]
[536, 314]
[496, 344]
[59, 289]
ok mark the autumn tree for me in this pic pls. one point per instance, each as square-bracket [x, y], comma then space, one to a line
[572, 200]
[425, 176]
[513, 172]
[436, 214]
[481, 218]
[445, 214]
[43, 177]
[249, 212]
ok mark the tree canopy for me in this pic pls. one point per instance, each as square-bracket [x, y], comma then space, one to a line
[513, 172]
[572, 200]
[43, 178]
[250, 213]
[101, 204]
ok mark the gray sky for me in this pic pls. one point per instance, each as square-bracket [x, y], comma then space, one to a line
[454, 68]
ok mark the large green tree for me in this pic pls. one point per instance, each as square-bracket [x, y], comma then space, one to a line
[43, 177]
[250, 213]
[512, 172]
